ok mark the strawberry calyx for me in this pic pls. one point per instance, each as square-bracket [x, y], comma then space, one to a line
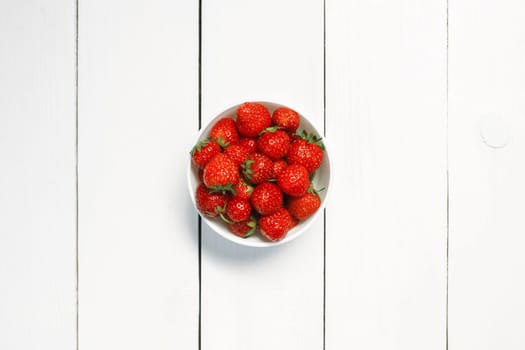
[222, 142]
[270, 129]
[219, 210]
[224, 218]
[252, 224]
[311, 138]
[198, 146]
[247, 168]
[223, 189]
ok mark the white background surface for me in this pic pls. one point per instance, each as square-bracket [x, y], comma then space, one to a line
[421, 245]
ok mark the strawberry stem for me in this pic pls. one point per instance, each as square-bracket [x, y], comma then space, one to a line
[224, 218]
[312, 190]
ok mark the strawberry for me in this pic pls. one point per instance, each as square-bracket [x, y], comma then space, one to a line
[257, 168]
[275, 226]
[278, 167]
[303, 207]
[249, 143]
[203, 151]
[266, 198]
[273, 143]
[220, 174]
[252, 118]
[286, 118]
[225, 132]
[243, 229]
[238, 209]
[237, 153]
[294, 180]
[208, 203]
[294, 222]
[307, 151]
[242, 189]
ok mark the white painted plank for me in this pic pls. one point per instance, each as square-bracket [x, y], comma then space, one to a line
[386, 222]
[270, 298]
[138, 258]
[37, 181]
[487, 109]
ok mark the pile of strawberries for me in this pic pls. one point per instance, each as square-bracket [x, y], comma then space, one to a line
[256, 171]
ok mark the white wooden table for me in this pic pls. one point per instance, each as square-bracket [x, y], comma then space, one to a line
[422, 242]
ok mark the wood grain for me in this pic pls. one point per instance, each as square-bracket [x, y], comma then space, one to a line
[138, 253]
[387, 219]
[262, 298]
[486, 151]
[37, 180]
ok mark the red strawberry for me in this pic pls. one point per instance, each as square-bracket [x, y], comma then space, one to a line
[252, 118]
[225, 132]
[250, 144]
[237, 153]
[204, 151]
[303, 207]
[286, 118]
[208, 203]
[243, 229]
[220, 174]
[275, 226]
[266, 198]
[278, 167]
[307, 151]
[294, 222]
[274, 143]
[238, 209]
[294, 180]
[242, 189]
[257, 168]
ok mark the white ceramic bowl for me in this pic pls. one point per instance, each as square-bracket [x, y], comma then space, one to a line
[321, 180]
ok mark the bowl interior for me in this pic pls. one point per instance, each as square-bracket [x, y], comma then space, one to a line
[321, 180]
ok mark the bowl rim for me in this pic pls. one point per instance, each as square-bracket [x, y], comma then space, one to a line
[246, 242]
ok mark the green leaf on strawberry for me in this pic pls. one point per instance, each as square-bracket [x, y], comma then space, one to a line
[198, 146]
[311, 138]
[253, 225]
[270, 129]
[223, 189]
[247, 168]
